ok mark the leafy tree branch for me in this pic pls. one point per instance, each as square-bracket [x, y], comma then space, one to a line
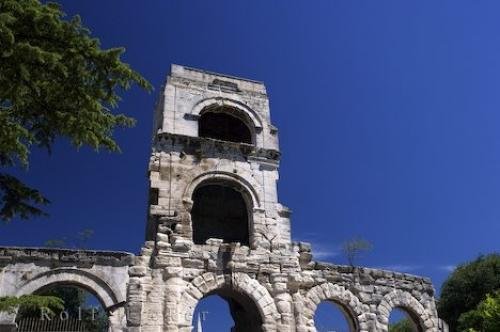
[55, 81]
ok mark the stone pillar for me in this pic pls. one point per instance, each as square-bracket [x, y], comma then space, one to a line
[174, 287]
[443, 326]
[284, 302]
[117, 320]
[8, 322]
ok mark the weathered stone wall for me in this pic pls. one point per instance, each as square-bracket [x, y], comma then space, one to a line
[285, 286]
[105, 274]
[274, 280]
[285, 291]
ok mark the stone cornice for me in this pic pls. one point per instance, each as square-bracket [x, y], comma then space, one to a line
[10, 255]
[201, 146]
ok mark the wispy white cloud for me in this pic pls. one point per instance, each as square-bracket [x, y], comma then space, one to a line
[447, 268]
[324, 251]
[321, 250]
[416, 267]
[324, 254]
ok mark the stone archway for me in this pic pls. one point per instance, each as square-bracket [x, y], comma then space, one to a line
[347, 301]
[104, 292]
[254, 118]
[225, 123]
[247, 186]
[111, 299]
[244, 186]
[221, 212]
[209, 283]
[404, 300]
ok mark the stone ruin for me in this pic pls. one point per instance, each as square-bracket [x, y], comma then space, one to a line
[215, 226]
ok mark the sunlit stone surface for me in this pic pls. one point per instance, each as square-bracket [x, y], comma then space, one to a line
[215, 227]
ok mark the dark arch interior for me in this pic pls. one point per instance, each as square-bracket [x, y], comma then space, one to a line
[223, 126]
[219, 212]
[83, 311]
[333, 316]
[243, 311]
[401, 319]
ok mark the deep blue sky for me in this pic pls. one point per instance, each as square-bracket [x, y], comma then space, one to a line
[388, 116]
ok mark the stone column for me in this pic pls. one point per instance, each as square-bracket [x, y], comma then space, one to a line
[8, 322]
[117, 320]
[174, 287]
[284, 302]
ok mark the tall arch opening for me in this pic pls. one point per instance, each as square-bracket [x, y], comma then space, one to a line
[83, 311]
[333, 316]
[227, 310]
[220, 211]
[402, 320]
[224, 123]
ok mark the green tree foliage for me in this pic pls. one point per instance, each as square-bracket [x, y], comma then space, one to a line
[467, 286]
[31, 303]
[485, 318]
[55, 81]
[73, 297]
[352, 249]
[404, 325]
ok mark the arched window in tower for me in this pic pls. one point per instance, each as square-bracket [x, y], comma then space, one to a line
[224, 123]
[219, 212]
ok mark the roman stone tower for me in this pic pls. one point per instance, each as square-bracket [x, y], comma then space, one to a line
[213, 198]
[215, 162]
[215, 226]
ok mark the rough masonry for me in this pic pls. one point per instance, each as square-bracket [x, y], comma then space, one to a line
[215, 226]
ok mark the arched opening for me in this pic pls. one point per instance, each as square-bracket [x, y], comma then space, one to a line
[83, 311]
[226, 310]
[220, 211]
[401, 320]
[224, 123]
[332, 316]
